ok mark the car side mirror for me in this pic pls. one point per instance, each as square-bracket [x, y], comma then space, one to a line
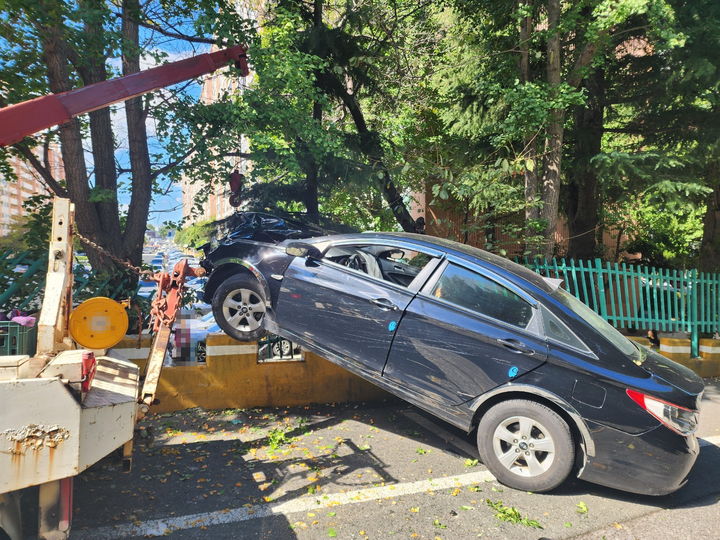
[301, 249]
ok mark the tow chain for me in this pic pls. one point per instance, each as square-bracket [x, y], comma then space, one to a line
[127, 264]
[168, 299]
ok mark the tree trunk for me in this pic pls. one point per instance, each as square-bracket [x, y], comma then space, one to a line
[134, 234]
[554, 136]
[372, 149]
[710, 246]
[532, 211]
[71, 148]
[104, 198]
[311, 174]
[583, 204]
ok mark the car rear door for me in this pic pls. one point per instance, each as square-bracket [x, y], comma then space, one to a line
[349, 312]
[464, 334]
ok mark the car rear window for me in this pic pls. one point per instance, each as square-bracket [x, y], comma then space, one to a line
[596, 321]
[470, 290]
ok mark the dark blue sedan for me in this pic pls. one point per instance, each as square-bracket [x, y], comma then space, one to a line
[478, 341]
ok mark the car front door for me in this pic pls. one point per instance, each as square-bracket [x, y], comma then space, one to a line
[350, 302]
[463, 335]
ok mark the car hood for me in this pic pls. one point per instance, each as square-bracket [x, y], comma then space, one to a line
[688, 384]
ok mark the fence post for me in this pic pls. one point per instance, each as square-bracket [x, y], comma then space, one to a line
[601, 289]
[694, 326]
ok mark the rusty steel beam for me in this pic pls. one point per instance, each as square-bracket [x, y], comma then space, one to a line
[23, 119]
[154, 367]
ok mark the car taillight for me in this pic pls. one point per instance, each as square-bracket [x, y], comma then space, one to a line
[679, 419]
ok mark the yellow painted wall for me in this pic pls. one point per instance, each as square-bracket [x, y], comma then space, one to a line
[234, 379]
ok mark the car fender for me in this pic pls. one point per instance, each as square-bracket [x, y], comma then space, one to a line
[510, 388]
[251, 268]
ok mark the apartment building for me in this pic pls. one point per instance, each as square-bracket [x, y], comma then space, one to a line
[216, 203]
[14, 193]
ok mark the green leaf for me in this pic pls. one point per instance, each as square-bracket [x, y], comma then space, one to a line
[332, 533]
[581, 508]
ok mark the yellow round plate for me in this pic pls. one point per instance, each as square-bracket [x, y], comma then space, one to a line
[98, 323]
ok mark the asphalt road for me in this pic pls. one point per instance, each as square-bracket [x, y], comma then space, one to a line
[362, 471]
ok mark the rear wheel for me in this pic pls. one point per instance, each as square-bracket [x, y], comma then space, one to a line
[526, 445]
[239, 308]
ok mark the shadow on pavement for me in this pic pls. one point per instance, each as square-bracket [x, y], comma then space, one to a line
[209, 461]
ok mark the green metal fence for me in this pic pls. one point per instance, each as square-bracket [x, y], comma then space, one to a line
[641, 297]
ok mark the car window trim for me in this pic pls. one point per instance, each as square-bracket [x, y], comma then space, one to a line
[586, 352]
[418, 281]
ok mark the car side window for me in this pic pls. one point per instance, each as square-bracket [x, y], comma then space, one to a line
[470, 290]
[389, 263]
[555, 329]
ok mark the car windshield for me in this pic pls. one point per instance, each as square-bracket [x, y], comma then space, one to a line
[597, 322]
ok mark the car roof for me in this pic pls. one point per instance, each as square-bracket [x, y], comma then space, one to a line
[462, 251]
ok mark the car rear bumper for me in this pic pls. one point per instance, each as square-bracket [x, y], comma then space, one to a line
[656, 462]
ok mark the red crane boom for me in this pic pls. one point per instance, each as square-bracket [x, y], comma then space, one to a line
[23, 119]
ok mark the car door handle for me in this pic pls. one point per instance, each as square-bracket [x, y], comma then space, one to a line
[516, 346]
[384, 303]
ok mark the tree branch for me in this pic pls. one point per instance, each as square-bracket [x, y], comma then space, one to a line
[50, 182]
[174, 35]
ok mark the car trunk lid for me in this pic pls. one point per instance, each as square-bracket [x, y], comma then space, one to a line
[688, 384]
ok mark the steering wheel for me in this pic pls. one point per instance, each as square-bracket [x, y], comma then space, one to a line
[356, 262]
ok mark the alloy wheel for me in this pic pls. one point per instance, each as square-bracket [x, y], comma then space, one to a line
[243, 309]
[523, 446]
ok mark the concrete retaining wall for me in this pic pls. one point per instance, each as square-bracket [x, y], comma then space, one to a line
[678, 350]
[231, 377]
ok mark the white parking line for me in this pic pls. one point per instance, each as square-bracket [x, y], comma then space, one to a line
[160, 527]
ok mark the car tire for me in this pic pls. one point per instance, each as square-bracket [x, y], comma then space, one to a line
[509, 439]
[239, 308]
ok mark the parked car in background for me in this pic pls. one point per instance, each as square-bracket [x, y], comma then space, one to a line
[551, 389]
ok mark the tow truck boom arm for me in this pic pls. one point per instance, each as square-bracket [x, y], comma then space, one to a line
[23, 119]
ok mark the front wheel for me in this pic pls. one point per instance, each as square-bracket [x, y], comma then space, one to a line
[526, 445]
[239, 308]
